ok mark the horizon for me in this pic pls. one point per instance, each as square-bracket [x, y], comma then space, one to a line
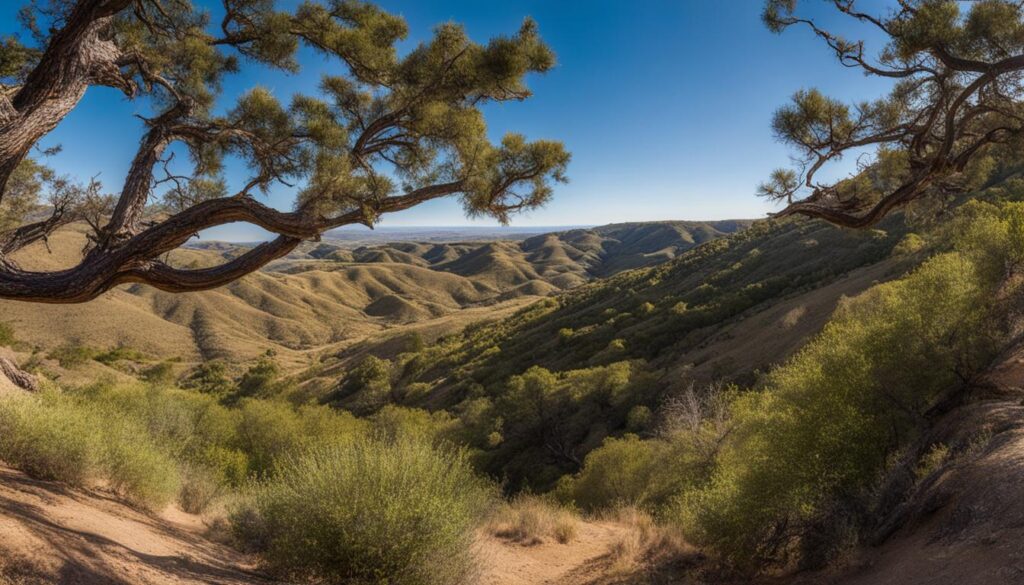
[687, 65]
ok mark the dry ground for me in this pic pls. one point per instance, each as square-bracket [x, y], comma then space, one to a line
[53, 534]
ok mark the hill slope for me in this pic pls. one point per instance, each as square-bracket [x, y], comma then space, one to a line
[327, 293]
[724, 310]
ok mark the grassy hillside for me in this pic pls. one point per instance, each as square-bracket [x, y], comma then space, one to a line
[328, 293]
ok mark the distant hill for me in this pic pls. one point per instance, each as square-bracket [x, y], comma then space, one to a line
[328, 293]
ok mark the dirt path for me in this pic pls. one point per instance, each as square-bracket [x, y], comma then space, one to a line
[53, 534]
[511, 563]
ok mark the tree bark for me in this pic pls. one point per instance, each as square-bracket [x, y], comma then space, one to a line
[18, 376]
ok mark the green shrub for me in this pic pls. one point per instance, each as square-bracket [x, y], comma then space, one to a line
[910, 244]
[199, 488]
[134, 465]
[209, 378]
[370, 512]
[49, 440]
[162, 373]
[262, 380]
[639, 419]
[72, 355]
[120, 353]
[631, 472]
[52, 436]
[368, 385]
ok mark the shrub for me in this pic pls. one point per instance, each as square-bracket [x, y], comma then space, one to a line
[369, 384]
[48, 441]
[134, 465]
[55, 437]
[631, 472]
[371, 512]
[910, 244]
[119, 353]
[199, 488]
[530, 520]
[72, 355]
[162, 373]
[639, 419]
[209, 378]
[262, 380]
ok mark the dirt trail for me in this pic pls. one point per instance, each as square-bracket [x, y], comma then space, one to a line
[53, 534]
[511, 563]
[50, 533]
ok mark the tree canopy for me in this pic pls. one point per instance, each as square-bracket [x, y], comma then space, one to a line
[386, 131]
[955, 100]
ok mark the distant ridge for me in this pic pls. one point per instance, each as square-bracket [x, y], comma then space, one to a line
[334, 291]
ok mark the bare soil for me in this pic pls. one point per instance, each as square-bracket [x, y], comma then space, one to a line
[53, 534]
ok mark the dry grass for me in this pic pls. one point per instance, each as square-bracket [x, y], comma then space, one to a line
[644, 542]
[17, 571]
[302, 302]
[530, 520]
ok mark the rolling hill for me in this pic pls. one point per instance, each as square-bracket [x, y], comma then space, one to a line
[726, 310]
[329, 293]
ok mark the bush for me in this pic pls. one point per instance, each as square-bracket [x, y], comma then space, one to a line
[910, 244]
[209, 378]
[120, 353]
[55, 437]
[400, 513]
[48, 441]
[162, 373]
[72, 355]
[631, 472]
[262, 380]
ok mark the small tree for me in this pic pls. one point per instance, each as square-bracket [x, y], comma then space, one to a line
[385, 133]
[956, 97]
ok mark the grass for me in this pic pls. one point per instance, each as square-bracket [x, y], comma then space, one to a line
[531, 520]
[644, 542]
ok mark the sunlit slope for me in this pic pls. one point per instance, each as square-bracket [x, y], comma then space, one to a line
[325, 294]
[725, 309]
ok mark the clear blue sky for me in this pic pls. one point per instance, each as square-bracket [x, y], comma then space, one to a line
[664, 104]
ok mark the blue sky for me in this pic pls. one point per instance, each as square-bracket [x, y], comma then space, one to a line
[665, 105]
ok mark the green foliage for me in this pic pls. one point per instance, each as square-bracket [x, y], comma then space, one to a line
[367, 512]
[72, 355]
[639, 419]
[259, 379]
[631, 472]
[153, 443]
[910, 244]
[368, 386]
[395, 423]
[209, 378]
[7, 336]
[120, 353]
[161, 373]
[826, 419]
[52, 436]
